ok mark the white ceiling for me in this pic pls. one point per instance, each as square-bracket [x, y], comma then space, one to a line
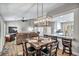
[15, 11]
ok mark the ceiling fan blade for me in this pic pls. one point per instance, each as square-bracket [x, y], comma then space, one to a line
[23, 19]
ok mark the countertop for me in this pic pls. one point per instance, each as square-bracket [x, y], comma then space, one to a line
[61, 36]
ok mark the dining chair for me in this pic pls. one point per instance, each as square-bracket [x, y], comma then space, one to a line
[54, 38]
[46, 36]
[30, 51]
[67, 46]
[51, 50]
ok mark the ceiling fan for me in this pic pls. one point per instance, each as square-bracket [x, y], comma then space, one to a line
[23, 19]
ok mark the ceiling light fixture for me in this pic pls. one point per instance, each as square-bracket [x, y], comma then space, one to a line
[42, 19]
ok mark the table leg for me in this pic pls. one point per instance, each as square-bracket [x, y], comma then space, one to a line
[26, 49]
[23, 50]
[38, 52]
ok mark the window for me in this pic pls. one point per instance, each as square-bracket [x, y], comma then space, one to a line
[64, 24]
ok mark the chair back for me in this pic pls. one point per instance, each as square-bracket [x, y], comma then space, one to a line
[67, 42]
[54, 38]
[67, 46]
[46, 36]
[54, 48]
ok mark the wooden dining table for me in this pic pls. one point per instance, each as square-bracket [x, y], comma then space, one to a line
[38, 43]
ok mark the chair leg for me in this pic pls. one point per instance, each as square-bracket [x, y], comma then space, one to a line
[23, 50]
[70, 51]
[55, 53]
[63, 50]
[33, 54]
[26, 52]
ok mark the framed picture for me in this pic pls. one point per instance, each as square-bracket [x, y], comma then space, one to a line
[12, 29]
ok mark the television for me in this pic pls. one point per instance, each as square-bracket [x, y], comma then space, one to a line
[12, 29]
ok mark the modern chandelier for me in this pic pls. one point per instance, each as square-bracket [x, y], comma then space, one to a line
[42, 19]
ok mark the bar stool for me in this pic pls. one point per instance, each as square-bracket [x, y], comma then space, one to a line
[67, 46]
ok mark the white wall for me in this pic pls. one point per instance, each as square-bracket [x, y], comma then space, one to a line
[0, 30]
[2, 37]
[76, 31]
[21, 26]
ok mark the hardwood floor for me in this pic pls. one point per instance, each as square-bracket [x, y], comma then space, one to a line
[11, 49]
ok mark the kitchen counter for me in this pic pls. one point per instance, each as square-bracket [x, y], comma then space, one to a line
[61, 36]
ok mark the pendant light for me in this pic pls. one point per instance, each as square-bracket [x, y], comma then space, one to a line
[42, 19]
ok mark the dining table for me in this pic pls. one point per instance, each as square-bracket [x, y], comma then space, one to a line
[38, 43]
